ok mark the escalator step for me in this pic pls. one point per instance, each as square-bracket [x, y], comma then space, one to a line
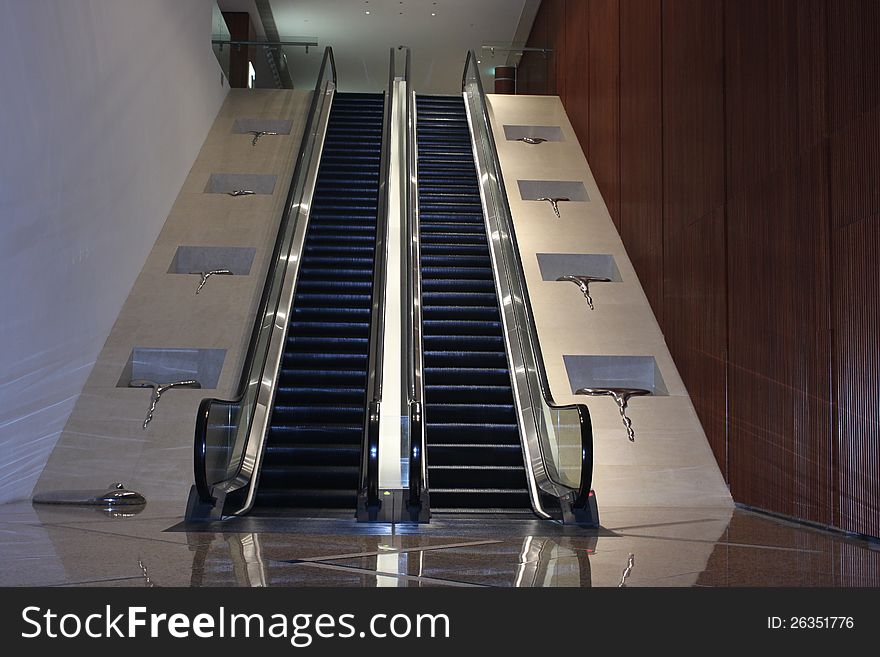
[474, 458]
[313, 450]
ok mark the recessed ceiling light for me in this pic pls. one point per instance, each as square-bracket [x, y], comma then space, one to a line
[367, 13]
[433, 14]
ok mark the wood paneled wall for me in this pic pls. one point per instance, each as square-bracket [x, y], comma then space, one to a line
[737, 146]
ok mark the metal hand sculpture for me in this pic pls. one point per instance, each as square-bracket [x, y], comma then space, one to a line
[158, 389]
[621, 396]
[554, 202]
[630, 563]
[259, 133]
[583, 282]
[532, 140]
[241, 192]
[207, 274]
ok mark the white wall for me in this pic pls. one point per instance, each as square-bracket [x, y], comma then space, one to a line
[104, 105]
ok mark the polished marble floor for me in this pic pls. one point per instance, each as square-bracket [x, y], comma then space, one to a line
[64, 546]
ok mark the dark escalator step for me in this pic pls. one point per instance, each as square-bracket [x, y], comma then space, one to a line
[290, 376]
[448, 273]
[313, 300]
[328, 344]
[324, 361]
[319, 286]
[340, 241]
[464, 375]
[458, 284]
[459, 298]
[317, 477]
[470, 433]
[475, 343]
[485, 412]
[305, 413]
[438, 260]
[467, 313]
[356, 273]
[473, 360]
[303, 443]
[337, 329]
[477, 476]
[335, 314]
[475, 454]
[452, 238]
[460, 327]
[313, 451]
[458, 394]
[314, 499]
[292, 394]
[455, 249]
[484, 499]
[355, 250]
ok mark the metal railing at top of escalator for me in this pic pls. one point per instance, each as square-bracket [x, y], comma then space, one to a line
[229, 434]
[557, 440]
[368, 495]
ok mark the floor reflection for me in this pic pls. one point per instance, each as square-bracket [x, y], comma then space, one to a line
[544, 562]
[634, 548]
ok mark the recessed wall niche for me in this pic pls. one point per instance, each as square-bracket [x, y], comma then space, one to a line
[244, 125]
[170, 364]
[545, 132]
[533, 190]
[600, 371]
[226, 183]
[236, 259]
[600, 265]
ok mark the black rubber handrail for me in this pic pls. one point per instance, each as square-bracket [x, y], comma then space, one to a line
[415, 365]
[369, 485]
[584, 490]
[200, 451]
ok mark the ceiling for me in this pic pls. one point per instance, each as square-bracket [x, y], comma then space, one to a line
[439, 33]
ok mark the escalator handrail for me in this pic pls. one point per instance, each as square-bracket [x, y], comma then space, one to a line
[582, 493]
[369, 480]
[303, 163]
[415, 349]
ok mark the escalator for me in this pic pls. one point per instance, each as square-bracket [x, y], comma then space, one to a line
[474, 454]
[313, 451]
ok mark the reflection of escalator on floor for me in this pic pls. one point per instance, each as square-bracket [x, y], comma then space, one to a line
[475, 459]
[312, 456]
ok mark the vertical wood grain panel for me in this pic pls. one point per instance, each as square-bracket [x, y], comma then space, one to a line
[738, 148]
[778, 269]
[695, 302]
[531, 75]
[577, 91]
[693, 111]
[780, 341]
[857, 324]
[556, 42]
[854, 80]
[641, 144]
[694, 320]
[603, 73]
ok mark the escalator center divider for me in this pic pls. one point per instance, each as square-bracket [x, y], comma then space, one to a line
[475, 458]
[313, 451]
